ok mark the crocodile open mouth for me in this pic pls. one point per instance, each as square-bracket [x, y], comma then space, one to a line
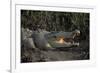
[65, 42]
[74, 41]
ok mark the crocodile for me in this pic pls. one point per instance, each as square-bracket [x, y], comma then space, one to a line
[43, 39]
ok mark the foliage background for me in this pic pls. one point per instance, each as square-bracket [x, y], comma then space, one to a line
[56, 21]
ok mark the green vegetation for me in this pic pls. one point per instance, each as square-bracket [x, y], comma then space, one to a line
[56, 21]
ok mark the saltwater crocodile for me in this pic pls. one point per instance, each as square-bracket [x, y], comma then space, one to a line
[48, 40]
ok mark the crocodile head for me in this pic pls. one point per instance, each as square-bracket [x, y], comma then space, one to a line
[64, 39]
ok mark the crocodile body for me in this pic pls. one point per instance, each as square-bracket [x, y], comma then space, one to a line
[48, 40]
